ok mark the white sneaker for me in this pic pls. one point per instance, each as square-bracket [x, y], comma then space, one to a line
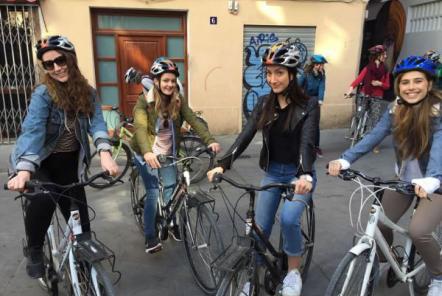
[245, 289]
[292, 284]
[435, 288]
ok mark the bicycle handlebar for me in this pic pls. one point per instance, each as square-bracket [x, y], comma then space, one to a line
[217, 178]
[397, 185]
[38, 185]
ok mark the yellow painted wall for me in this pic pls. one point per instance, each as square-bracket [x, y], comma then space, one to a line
[215, 51]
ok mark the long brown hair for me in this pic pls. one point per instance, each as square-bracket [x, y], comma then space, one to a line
[412, 124]
[294, 96]
[74, 95]
[167, 106]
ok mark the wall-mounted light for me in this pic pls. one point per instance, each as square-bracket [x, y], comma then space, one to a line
[233, 6]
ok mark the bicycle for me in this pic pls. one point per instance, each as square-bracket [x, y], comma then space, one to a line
[357, 272]
[239, 260]
[197, 222]
[71, 258]
[121, 153]
[358, 124]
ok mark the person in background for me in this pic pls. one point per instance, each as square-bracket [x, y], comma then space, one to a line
[54, 142]
[415, 121]
[434, 56]
[376, 79]
[313, 83]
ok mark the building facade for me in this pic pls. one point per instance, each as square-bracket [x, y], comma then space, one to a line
[217, 45]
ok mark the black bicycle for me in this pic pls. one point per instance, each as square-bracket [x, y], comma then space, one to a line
[197, 221]
[239, 260]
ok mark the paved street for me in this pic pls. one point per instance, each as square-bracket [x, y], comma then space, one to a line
[167, 272]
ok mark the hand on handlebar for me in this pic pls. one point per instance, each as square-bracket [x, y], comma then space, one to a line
[108, 164]
[302, 186]
[152, 160]
[334, 168]
[17, 183]
[215, 147]
[212, 172]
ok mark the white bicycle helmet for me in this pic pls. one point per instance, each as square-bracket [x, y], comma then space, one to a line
[53, 43]
[163, 65]
[282, 53]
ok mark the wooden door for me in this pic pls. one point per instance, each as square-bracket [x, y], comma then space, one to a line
[138, 52]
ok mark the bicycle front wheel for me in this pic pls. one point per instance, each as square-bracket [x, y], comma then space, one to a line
[89, 278]
[308, 236]
[194, 146]
[243, 281]
[349, 275]
[122, 156]
[49, 281]
[203, 244]
[137, 197]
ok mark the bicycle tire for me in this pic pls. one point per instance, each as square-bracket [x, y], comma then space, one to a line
[308, 228]
[234, 283]
[356, 276]
[203, 244]
[49, 281]
[189, 147]
[123, 159]
[92, 278]
[137, 197]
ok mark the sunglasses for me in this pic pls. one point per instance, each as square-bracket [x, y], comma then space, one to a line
[60, 61]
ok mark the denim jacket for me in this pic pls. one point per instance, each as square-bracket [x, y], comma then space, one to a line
[430, 163]
[45, 123]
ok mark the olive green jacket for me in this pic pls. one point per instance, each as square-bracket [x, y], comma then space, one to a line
[145, 121]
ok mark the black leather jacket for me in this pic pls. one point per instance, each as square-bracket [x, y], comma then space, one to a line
[305, 122]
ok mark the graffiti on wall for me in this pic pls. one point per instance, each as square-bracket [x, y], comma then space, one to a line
[254, 77]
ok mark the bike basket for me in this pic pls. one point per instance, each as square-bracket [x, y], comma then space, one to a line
[228, 260]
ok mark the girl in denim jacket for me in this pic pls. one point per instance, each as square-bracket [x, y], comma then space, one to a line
[53, 145]
[416, 124]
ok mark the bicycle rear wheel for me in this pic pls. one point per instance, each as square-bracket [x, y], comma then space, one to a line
[203, 243]
[194, 146]
[122, 156]
[243, 281]
[137, 197]
[348, 276]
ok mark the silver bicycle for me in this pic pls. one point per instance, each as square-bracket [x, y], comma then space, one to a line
[73, 259]
[358, 271]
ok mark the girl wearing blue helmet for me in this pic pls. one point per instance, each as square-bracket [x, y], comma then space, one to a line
[415, 122]
[313, 83]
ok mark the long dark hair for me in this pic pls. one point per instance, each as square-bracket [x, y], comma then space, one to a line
[74, 95]
[294, 96]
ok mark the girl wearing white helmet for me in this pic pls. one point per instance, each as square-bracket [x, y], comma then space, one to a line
[53, 145]
[158, 116]
[288, 120]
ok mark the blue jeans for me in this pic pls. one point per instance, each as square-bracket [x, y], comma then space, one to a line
[150, 177]
[267, 206]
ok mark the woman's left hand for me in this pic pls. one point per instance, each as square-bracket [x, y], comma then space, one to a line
[215, 147]
[302, 186]
[108, 164]
[419, 191]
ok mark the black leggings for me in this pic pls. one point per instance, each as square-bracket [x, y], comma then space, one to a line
[60, 168]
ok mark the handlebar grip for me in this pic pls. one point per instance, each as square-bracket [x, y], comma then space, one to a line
[162, 158]
[5, 186]
[217, 178]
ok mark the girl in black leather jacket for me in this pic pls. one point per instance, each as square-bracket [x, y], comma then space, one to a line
[289, 121]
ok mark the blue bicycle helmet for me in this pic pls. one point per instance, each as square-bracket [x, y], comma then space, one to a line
[415, 63]
[318, 59]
